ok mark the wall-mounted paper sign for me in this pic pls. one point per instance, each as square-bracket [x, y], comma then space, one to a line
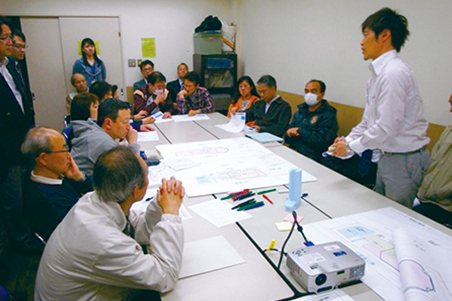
[148, 47]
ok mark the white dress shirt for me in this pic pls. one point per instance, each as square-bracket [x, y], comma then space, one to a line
[88, 257]
[393, 117]
[9, 79]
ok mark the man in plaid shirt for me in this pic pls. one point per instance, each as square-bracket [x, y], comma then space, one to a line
[194, 99]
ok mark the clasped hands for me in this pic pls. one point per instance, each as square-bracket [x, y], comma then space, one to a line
[339, 147]
[170, 195]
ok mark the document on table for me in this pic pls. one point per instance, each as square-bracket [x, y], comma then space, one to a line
[425, 265]
[157, 172]
[236, 123]
[147, 136]
[159, 118]
[334, 295]
[219, 213]
[372, 236]
[183, 118]
[224, 165]
[206, 255]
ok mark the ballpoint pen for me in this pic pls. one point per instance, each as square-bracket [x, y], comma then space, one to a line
[267, 198]
[243, 204]
[252, 206]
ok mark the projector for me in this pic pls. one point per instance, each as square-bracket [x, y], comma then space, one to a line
[323, 267]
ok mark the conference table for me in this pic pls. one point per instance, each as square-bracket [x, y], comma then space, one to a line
[331, 196]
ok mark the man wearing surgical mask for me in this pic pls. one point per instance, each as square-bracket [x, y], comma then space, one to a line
[154, 97]
[314, 126]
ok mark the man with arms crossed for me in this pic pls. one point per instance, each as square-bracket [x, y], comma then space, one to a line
[393, 125]
[95, 253]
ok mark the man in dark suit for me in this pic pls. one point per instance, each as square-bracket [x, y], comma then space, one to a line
[175, 86]
[17, 59]
[16, 118]
[146, 68]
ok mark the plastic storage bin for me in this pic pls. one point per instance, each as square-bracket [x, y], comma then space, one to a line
[208, 42]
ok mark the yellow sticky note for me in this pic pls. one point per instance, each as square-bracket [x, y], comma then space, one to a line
[148, 47]
[283, 226]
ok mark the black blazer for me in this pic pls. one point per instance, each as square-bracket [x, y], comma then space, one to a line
[14, 123]
[173, 87]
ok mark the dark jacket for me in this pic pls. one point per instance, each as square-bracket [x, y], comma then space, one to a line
[14, 123]
[174, 87]
[276, 119]
[317, 130]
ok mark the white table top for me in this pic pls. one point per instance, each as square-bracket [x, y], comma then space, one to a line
[331, 196]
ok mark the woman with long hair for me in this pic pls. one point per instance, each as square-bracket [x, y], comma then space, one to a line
[90, 65]
[245, 95]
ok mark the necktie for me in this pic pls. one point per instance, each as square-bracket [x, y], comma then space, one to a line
[129, 230]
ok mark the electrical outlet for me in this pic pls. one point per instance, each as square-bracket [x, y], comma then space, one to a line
[139, 62]
[132, 63]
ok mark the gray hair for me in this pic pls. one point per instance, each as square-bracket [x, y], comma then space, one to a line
[117, 173]
[267, 80]
[37, 141]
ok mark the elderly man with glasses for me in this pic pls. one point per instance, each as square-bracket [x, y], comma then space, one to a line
[56, 182]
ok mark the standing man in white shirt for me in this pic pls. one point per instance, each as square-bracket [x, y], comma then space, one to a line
[393, 125]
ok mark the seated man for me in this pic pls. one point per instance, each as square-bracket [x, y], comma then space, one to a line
[177, 85]
[146, 68]
[102, 90]
[91, 139]
[271, 113]
[314, 126]
[95, 253]
[56, 181]
[153, 97]
[78, 81]
[194, 99]
[435, 193]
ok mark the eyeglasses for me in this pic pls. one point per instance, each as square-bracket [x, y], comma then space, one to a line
[20, 46]
[64, 150]
[6, 38]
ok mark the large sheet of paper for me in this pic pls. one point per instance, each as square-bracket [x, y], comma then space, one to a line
[219, 213]
[370, 235]
[184, 118]
[208, 255]
[425, 265]
[226, 165]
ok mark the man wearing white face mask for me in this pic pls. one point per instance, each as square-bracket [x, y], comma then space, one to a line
[314, 126]
[154, 97]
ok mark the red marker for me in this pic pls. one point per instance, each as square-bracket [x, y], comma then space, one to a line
[266, 197]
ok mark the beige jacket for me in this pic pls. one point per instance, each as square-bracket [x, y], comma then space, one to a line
[437, 184]
[88, 257]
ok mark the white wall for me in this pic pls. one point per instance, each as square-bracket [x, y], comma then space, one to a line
[171, 23]
[296, 40]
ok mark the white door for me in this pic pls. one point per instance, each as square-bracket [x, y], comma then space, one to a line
[52, 51]
[104, 31]
[45, 70]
